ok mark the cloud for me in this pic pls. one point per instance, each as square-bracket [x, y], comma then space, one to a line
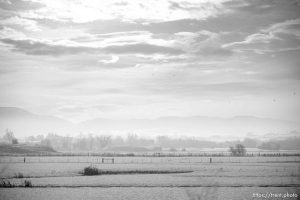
[119, 39]
[198, 9]
[291, 27]
[235, 16]
[262, 8]
[113, 59]
[142, 48]
[20, 5]
[252, 41]
[140, 11]
[215, 51]
[202, 43]
[12, 33]
[104, 108]
[276, 37]
[193, 88]
[39, 48]
[72, 109]
[30, 25]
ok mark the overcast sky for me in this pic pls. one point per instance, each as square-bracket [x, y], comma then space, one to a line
[82, 59]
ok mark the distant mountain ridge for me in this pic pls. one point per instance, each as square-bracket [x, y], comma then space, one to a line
[24, 123]
[13, 112]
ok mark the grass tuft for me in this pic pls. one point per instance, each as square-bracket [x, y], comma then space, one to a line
[8, 184]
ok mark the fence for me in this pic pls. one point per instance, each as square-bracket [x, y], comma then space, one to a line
[145, 160]
[159, 154]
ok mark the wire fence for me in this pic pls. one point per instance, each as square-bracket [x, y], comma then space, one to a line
[144, 159]
[157, 154]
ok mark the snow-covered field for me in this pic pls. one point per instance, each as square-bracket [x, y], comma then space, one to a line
[220, 179]
[145, 193]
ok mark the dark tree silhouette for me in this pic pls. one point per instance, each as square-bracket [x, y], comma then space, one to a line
[238, 150]
[103, 141]
[10, 137]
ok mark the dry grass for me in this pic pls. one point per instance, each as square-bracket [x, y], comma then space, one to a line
[8, 184]
[91, 171]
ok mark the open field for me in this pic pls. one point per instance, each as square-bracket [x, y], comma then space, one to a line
[224, 178]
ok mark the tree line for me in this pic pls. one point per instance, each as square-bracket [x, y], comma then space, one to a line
[92, 142]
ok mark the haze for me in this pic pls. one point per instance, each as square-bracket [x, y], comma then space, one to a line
[81, 60]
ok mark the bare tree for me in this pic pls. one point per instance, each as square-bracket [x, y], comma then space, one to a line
[103, 141]
[10, 137]
[132, 139]
[238, 150]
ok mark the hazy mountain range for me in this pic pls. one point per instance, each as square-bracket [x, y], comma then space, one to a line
[24, 123]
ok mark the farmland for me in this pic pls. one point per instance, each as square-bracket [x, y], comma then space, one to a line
[223, 178]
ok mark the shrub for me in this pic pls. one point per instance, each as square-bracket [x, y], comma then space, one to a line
[90, 171]
[6, 183]
[27, 183]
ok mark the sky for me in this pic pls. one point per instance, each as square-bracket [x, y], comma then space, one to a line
[118, 59]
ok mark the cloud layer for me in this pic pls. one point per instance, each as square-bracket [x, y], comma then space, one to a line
[146, 59]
